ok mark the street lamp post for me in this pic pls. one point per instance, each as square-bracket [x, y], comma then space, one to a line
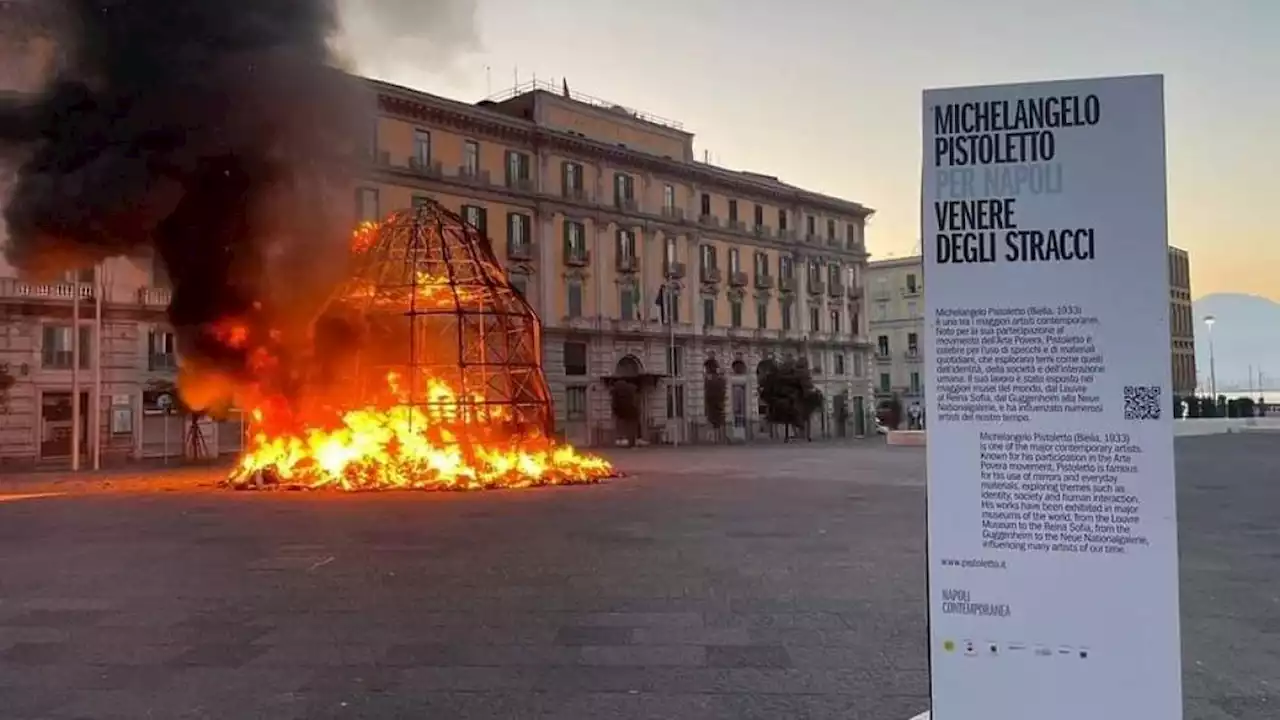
[1209, 320]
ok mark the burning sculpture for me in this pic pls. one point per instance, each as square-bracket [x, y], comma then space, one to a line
[429, 377]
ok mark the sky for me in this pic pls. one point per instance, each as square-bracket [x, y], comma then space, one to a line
[826, 94]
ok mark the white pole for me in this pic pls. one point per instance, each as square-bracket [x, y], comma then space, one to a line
[75, 371]
[98, 295]
[671, 327]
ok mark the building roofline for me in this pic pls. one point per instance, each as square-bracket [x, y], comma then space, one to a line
[896, 262]
[410, 102]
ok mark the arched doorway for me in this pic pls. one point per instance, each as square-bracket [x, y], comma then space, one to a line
[629, 366]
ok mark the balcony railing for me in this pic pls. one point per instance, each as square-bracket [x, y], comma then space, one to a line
[425, 167]
[578, 258]
[709, 220]
[473, 175]
[709, 274]
[574, 193]
[520, 184]
[738, 225]
[835, 290]
[815, 287]
[520, 250]
[673, 213]
[763, 231]
[763, 281]
[15, 288]
[154, 296]
[912, 353]
[911, 291]
[787, 284]
[162, 361]
[883, 355]
[738, 279]
[675, 271]
[854, 292]
[626, 204]
[628, 263]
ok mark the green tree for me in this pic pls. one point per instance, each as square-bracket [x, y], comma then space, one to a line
[714, 388]
[788, 394]
[624, 402]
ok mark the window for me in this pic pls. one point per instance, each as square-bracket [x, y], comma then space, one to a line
[815, 363]
[810, 226]
[815, 272]
[675, 402]
[668, 198]
[733, 211]
[857, 365]
[761, 264]
[708, 312]
[915, 382]
[675, 306]
[882, 311]
[675, 360]
[367, 204]
[785, 310]
[575, 402]
[854, 326]
[833, 274]
[575, 299]
[56, 350]
[735, 260]
[669, 251]
[517, 169]
[163, 351]
[882, 345]
[575, 358]
[735, 313]
[476, 217]
[851, 235]
[706, 204]
[470, 158]
[624, 190]
[422, 148]
[835, 321]
[626, 244]
[575, 240]
[518, 237]
[813, 319]
[911, 282]
[762, 315]
[759, 216]
[629, 302]
[782, 219]
[913, 343]
[785, 267]
[708, 256]
[913, 310]
[886, 384]
[838, 364]
[831, 229]
[571, 179]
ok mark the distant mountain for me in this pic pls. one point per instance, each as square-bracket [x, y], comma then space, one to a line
[1246, 333]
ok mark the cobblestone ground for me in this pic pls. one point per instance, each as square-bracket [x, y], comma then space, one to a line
[779, 582]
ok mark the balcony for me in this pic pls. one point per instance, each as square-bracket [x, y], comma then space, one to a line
[162, 361]
[576, 257]
[787, 284]
[763, 281]
[473, 175]
[833, 241]
[15, 288]
[811, 237]
[763, 231]
[883, 355]
[854, 292]
[910, 291]
[626, 204]
[425, 167]
[675, 271]
[738, 279]
[709, 274]
[786, 234]
[912, 353]
[673, 213]
[815, 287]
[576, 194]
[709, 220]
[737, 225]
[520, 250]
[521, 184]
[628, 263]
[835, 290]
[154, 297]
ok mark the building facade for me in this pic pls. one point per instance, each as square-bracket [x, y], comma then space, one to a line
[592, 208]
[895, 304]
[896, 325]
[1182, 323]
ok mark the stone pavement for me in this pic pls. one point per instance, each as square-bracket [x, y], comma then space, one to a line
[713, 583]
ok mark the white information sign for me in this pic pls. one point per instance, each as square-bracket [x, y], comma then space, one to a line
[1053, 561]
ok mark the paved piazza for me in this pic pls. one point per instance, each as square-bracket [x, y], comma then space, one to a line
[771, 582]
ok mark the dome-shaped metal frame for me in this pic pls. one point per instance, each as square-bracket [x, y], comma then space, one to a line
[438, 308]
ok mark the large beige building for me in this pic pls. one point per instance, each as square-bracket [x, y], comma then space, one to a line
[592, 208]
[896, 307]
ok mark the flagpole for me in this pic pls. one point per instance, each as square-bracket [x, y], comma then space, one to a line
[96, 405]
[75, 371]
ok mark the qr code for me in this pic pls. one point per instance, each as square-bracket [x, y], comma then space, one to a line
[1142, 402]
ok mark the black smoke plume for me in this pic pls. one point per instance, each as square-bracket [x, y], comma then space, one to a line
[216, 133]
